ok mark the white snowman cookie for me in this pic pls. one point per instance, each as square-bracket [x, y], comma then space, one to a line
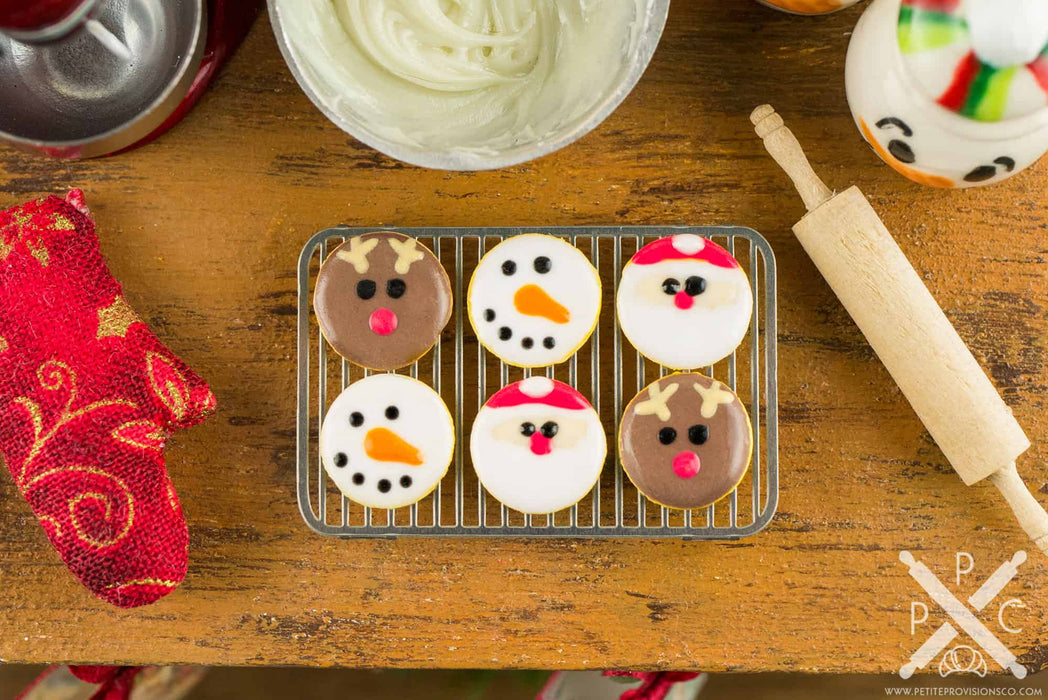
[534, 300]
[387, 441]
[684, 302]
[538, 446]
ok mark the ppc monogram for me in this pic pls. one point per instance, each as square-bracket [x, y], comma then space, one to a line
[963, 618]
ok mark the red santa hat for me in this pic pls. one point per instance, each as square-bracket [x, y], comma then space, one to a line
[684, 246]
[541, 391]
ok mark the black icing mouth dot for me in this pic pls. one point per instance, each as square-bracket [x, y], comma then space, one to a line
[670, 286]
[341, 459]
[505, 333]
[509, 267]
[489, 315]
[543, 264]
[527, 343]
[405, 482]
[392, 413]
[549, 343]
[694, 286]
[384, 485]
[667, 436]
[395, 288]
[366, 289]
[358, 478]
[356, 419]
[698, 434]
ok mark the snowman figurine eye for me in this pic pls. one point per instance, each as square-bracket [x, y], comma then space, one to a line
[667, 436]
[527, 429]
[670, 286]
[698, 434]
[694, 285]
[549, 429]
[366, 289]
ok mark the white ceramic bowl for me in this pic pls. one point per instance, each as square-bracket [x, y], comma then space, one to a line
[350, 121]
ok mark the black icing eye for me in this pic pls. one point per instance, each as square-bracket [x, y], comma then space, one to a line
[366, 289]
[543, 264]
[505, 333]
[341, 459]
[358, 478]
[489, 315]
[695, 285]
[356, 419]
[1006, 162]
[670, 286]
[396, 287]
[549, 343]
[981, 174]
[527, 343]
[384, 485]
[405, 482]
[527, 429]
[667, 436]
[901, 151]
[549, 429]
[698, 434]
[509, 267]
[392, 413]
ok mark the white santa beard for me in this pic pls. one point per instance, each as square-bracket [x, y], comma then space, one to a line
[532, 483]
[683, 338]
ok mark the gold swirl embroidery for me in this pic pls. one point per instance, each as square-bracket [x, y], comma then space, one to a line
[52, 522]
[105, 499]
[3, 344]
[21, 228]
[144, 582]
[172, 498]
[54, 375]
[143, 434]
[171, 389]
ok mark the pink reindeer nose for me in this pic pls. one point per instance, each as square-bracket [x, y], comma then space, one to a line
[683, 300]
[540, 444]
[383, 321]
[686, 465]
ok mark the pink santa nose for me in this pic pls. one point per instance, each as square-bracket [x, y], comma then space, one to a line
[383, 321]
[686, 465]
[683, 300]
[540, 444]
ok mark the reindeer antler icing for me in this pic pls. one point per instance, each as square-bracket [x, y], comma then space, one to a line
[713, 397]
[407, 253]
[357, 255]
[657, 403]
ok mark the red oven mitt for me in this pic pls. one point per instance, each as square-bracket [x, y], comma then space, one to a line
[88, 397]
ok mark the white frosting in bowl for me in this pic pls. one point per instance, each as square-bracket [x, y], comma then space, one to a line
[478, 81]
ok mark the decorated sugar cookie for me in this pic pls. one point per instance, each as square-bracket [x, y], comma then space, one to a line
[684, 302]
[387, 441]
[952, 93]
[808, 7]
[685, 441]
[538, 446]
[534, 300]
[382, 300]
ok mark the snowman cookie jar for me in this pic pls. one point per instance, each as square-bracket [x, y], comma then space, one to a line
[808, 7]
[952, 93]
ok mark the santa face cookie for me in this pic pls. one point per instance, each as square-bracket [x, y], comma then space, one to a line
[534, 300]
[387, 441]
[684, 302]
[382, 300]
[685, 441]
[538, 446]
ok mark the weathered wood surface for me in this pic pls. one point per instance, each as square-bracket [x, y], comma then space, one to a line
[204, 227]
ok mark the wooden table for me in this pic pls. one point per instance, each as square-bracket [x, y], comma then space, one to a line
[204, 228]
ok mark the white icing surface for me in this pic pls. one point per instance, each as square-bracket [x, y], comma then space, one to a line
[423, 423]
[572, 282]
[532, 483]
[462, 75]
[684, 339]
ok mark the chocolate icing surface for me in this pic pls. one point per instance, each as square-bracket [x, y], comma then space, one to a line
[711, 424]
[377, 282]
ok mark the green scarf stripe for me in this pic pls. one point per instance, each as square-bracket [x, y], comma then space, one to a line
[924, 30]
[995, 93]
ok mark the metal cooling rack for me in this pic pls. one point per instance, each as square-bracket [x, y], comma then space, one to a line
[606, 369]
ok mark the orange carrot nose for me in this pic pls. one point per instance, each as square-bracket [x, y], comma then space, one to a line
[383, 445]
[532, 300]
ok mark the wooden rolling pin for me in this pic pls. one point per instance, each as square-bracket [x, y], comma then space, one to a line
[906, 328]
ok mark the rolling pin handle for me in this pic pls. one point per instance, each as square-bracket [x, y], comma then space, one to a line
[1030, 514]
[787, 152]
